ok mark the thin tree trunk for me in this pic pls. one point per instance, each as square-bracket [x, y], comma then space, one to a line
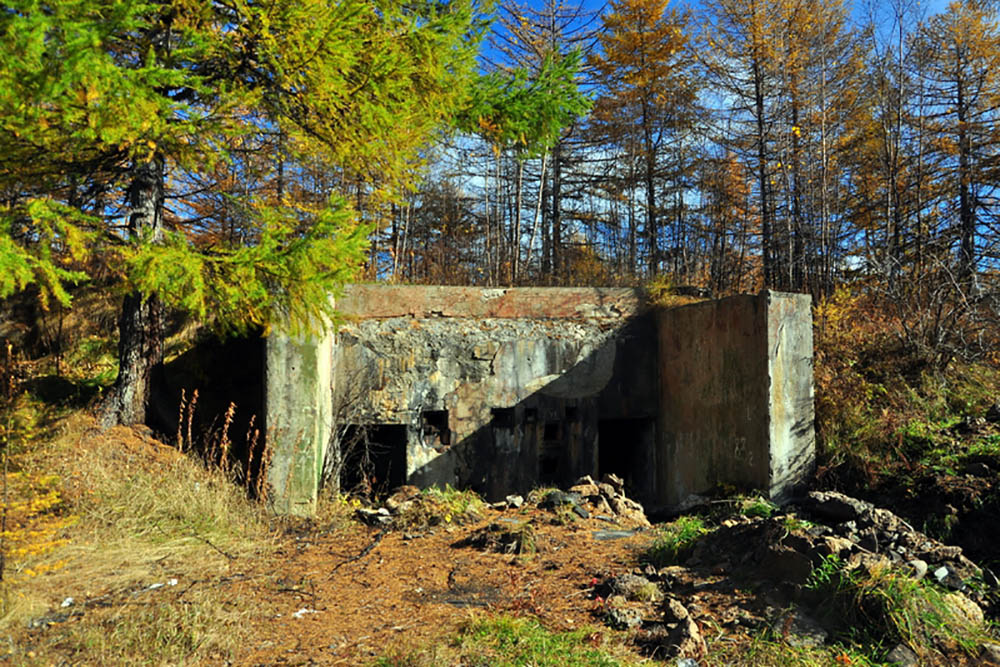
[516, 242]
[538, 205]
[140, 343]
[556, 240]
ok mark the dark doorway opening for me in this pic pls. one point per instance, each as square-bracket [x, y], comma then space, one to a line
[551, 454]
[435, 428]
[623, 450]
[374, 458]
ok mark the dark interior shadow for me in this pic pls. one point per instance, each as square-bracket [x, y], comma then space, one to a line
[597, 416]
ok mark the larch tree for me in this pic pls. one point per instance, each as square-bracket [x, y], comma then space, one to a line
[740, 49]
[524, 113]
[110, 107]
[647, 99]
[959, 52]
[528, 37]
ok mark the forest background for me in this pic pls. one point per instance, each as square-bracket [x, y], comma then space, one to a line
[238, 162]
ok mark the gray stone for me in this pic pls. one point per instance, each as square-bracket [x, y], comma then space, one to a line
[964, 610]
[837, 507]
[585, 490]
[605, 535]
[903, 656]
[614, 480]
[674, 611]
[515, 501]
[686, 640]
[379, 517]
[634, 587]
[799, 630]
[918, 567]
[607, 490]
[555, 499]
[623, 618]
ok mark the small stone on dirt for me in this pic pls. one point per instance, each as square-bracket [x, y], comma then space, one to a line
[903, 656]
[623, 618]
[799, 630]
[918, 567]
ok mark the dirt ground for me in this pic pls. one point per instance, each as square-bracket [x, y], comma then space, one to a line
[335, 591]
[406, 593]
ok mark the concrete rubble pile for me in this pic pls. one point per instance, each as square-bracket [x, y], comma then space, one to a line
[780, 555]
[831, 524]
[642, 600]
[604, 500]
[403, 500]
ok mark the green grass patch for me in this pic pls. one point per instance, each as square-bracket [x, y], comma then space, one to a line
[507, 641]
[876, 611]
[757, 507]
[436, 506]
[766, 650]
[673, 541]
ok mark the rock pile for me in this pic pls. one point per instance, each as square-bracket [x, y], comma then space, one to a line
[830, 524]
[785, 556]
[603, 500]
[402, 500]
[861, 533]
[662, 622]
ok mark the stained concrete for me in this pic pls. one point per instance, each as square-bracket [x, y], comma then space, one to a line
[736, 396]
[299, 417]
[500, 390]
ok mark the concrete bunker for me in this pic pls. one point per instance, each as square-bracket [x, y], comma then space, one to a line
[500, 390]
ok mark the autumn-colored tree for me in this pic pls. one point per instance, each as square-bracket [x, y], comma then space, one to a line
[959, 52]
[731, 224]
[647, 100]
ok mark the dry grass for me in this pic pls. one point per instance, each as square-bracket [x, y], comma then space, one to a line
[151, 555]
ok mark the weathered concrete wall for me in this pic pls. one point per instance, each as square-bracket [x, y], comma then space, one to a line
[502, 389]
[735, 395]
[299, 417]
[542, 303]
[790, 370]
[523, 378]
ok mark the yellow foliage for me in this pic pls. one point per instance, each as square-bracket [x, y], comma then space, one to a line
[34, 521]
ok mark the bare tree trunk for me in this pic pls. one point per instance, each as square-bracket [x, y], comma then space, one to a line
[538, 207]
[140, 343]
[515, 245]
[556, 238]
